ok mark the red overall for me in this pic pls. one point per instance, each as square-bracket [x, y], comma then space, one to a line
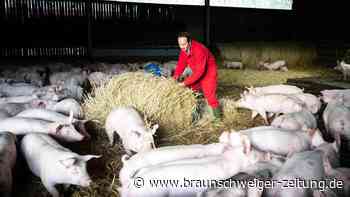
[204, 71]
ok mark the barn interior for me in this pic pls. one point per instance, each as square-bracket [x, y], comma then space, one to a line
[108, 46]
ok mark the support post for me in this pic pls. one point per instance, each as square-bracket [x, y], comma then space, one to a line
[207, 23]
[89, 29]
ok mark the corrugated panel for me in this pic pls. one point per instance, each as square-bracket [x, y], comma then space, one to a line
[59, 27]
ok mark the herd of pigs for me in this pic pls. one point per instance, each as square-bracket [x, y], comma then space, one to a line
[42, 105]
[278, 65]
[290, 148]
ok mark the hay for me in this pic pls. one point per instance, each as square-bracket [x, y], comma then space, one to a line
[253, 77]
[160, 100]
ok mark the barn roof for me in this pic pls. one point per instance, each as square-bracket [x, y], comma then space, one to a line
[259, 4]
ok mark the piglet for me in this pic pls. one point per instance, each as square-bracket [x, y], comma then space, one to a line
[303, 166]
[130, 127]
[277, 65]
[233, 64]
[17, 89]
[274, 103]
[67, 105]
[53, 163]
[8, 156]
[330, 153]
[165, 155]
[21, 126]
[239, 187]
[53, 116]
[312, 103]
[279, 141]
[276, 89]
[302, 120]
[336, 118]
[221, 168]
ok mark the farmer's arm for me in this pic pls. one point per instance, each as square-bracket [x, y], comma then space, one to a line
[180, 67]
[200, 66]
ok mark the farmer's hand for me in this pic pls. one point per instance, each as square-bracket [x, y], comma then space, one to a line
[182, 84]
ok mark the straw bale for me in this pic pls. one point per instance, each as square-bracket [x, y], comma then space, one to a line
[160, 100]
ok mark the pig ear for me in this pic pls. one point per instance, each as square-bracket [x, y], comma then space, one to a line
[311, 132]
[337, 139]
[88, 157]
[317, 193]
[70, 119]
[125, 158]
[224, 137]
[154, 128]
[246, 144]
[69, 162]
[268, 156]
[138, 134]
[304, 128]
[39, 103]
[335, 146]
[58, 128]
[327, 166]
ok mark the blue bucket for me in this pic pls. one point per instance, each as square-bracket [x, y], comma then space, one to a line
[154, 69]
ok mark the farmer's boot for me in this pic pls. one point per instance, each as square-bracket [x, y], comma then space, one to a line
[216, 113]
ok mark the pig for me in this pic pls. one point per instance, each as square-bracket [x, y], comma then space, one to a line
[52, 92]
[330, 153]
[74, 91]
[43, 103]
[8, 157]
[277, 65]
[53, 116]
[18, 99]
[269, 168]
[340, 174]
[13, 108]
[130, 127]
[336, 118]
[220, 169]
[301, 166]
[4, 114]
[59, 77]
[336, 95]
[312, 103]
[278, 141]
[164, 155]
[233, 64]
[34, 75]
[327, 192]
[168, 68]
[67, 105]
[98, 79]
[17, 89]
[345, 69]
[276, 89]
[302, 120]
[53, 163]
[239, 188]
[274, 103]
[22, 126]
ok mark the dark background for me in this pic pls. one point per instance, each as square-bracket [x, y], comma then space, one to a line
[36, 24]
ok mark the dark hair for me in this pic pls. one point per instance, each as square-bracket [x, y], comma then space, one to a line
[186, 35]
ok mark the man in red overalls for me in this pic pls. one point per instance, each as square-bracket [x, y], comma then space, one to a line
[204, 70]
